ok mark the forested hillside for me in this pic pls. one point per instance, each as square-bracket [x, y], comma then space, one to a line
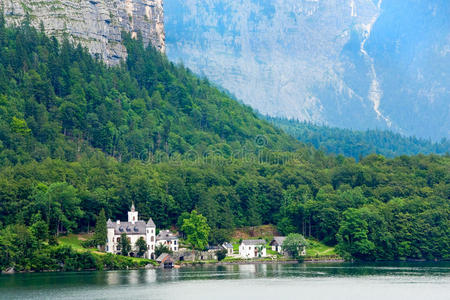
[358, 144]
[57, 101]
[76, 137]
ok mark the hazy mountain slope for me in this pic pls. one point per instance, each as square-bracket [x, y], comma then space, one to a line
[354, 63]
[359, 144]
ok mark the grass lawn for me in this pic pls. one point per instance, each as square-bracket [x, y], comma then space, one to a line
[269, 251]
[318, 249]
[75, 240]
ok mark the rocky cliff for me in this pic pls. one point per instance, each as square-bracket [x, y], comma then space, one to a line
[348, 63]
[96, 24]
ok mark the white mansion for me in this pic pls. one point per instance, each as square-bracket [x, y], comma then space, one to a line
[134, 229]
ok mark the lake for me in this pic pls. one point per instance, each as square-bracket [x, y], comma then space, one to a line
[261, 281]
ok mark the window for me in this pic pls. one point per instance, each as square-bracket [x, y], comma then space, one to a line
[174, 242]
[134, 218]
[152, 230]
[152, 239]
[118, 239]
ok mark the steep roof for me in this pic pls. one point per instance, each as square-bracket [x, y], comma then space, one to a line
[253, 242]
[150, 223]
[278, 240]
[109, 224]
[129, 228]
[227, 245]
[164, 257]
[166, 235]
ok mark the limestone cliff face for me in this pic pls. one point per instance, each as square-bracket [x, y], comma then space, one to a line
[96, 24]
[348, 63]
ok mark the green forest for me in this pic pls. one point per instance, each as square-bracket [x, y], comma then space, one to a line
[358, 144]
[77, 137]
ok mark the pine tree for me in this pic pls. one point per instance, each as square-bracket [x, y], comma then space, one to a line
[141, 245]
[125, 245]
[101, 234]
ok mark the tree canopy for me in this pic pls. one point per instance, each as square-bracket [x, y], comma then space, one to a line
[197, 230]
[294, 244]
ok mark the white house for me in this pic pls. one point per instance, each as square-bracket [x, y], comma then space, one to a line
[134, 229]
[252, 248]
[167, 238]
[277, 244]
[229, 247]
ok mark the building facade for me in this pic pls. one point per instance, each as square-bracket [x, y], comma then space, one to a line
[134, 230]
[252, 249]
[167, 238]
[277, 244]
[229, 247]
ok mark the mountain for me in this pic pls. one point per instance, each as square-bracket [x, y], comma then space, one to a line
[359, 144]
[78, 137]
[359, 64]
[96, 24]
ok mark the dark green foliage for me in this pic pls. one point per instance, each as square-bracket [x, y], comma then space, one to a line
[294, 244]
[56, 101]
[221, 254]
[358, 144]
[141, 245]
[77, 137]
[22, 251]
[160, 249]
[101, 234]
[125, 245]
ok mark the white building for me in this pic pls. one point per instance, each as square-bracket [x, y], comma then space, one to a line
[134, 229]
[277, 244]
[252, 248]
[229, 247]
[167, 238]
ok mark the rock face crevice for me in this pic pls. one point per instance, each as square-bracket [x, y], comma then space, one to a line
[95, 24]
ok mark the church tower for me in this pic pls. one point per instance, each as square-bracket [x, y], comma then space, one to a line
[133, 215]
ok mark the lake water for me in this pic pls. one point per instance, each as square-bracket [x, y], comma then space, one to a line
[404, 281]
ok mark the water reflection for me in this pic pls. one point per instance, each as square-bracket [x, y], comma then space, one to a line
[117, 283]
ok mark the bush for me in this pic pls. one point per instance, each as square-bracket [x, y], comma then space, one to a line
[221, 254]
[90, 243]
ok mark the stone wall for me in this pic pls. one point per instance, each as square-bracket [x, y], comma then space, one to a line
[191, 255]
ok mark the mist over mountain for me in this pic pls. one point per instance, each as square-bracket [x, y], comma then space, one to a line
[351, 63]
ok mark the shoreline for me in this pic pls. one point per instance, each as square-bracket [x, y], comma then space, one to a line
[218, 263]
[259, 262]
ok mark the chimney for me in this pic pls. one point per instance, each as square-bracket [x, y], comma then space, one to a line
[118, 222]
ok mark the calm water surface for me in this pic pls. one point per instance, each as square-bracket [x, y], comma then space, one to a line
[267, 281]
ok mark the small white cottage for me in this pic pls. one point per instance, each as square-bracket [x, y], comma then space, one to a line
[252, 248]
[167, 238]
[277, 244]
[229, 247]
